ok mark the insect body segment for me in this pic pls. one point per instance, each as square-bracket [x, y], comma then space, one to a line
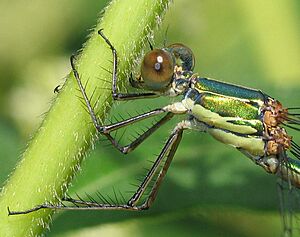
[274, 116]
[244, 118]
[160, 65]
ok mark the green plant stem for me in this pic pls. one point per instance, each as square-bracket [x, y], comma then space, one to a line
[55, 152]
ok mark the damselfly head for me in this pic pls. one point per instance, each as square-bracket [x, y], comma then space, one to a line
[157, 70]
[160, 67]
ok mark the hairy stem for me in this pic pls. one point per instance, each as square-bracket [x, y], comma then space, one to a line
[56, 151]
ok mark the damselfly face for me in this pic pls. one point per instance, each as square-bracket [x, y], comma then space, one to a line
[162, 69]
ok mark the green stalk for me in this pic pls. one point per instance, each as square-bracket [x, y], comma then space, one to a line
[55, 152]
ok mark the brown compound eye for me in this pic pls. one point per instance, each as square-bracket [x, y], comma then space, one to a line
[157, 69]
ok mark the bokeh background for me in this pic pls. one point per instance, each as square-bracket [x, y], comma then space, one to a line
[210, 189]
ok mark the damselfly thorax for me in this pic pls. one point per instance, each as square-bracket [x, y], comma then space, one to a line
[247, 119]
[244, 118]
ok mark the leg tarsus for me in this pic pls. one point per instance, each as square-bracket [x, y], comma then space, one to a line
[36, 208]
[116, 95]
[168, 150]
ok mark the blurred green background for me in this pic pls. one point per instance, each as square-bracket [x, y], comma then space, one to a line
[210, 189]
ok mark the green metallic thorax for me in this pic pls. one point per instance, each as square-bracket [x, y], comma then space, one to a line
[225, 89]
[227, 106]
[233, 114]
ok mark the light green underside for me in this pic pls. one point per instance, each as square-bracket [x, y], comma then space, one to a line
[214, 119]
[253, 144]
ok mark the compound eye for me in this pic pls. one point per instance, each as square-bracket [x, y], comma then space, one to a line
[157, 69]
[183, 55]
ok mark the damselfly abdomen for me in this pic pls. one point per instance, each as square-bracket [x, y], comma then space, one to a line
[244, 118]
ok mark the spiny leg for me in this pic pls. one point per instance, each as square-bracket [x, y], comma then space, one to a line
[287, 191]
[116, 95]
[283, 180]
[171, 110]
[83, 92]
[169, 149]
[167, 152]
[105, 130]
[142, 137]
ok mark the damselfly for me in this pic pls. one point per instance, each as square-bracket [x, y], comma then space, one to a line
[247, 119]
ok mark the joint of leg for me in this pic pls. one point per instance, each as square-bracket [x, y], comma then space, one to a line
[101, 129]
[185, 124]
[9, 212]
[145, 207]
[130, 203]
[125, 150]
[100, 31]
[72, 60]
[176, 108]
[116, 96]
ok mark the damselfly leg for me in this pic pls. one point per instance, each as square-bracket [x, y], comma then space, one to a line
[105, 130]
[156, 173]
[244, 118]
[286, 195]
[115, 94]
[158, 169]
